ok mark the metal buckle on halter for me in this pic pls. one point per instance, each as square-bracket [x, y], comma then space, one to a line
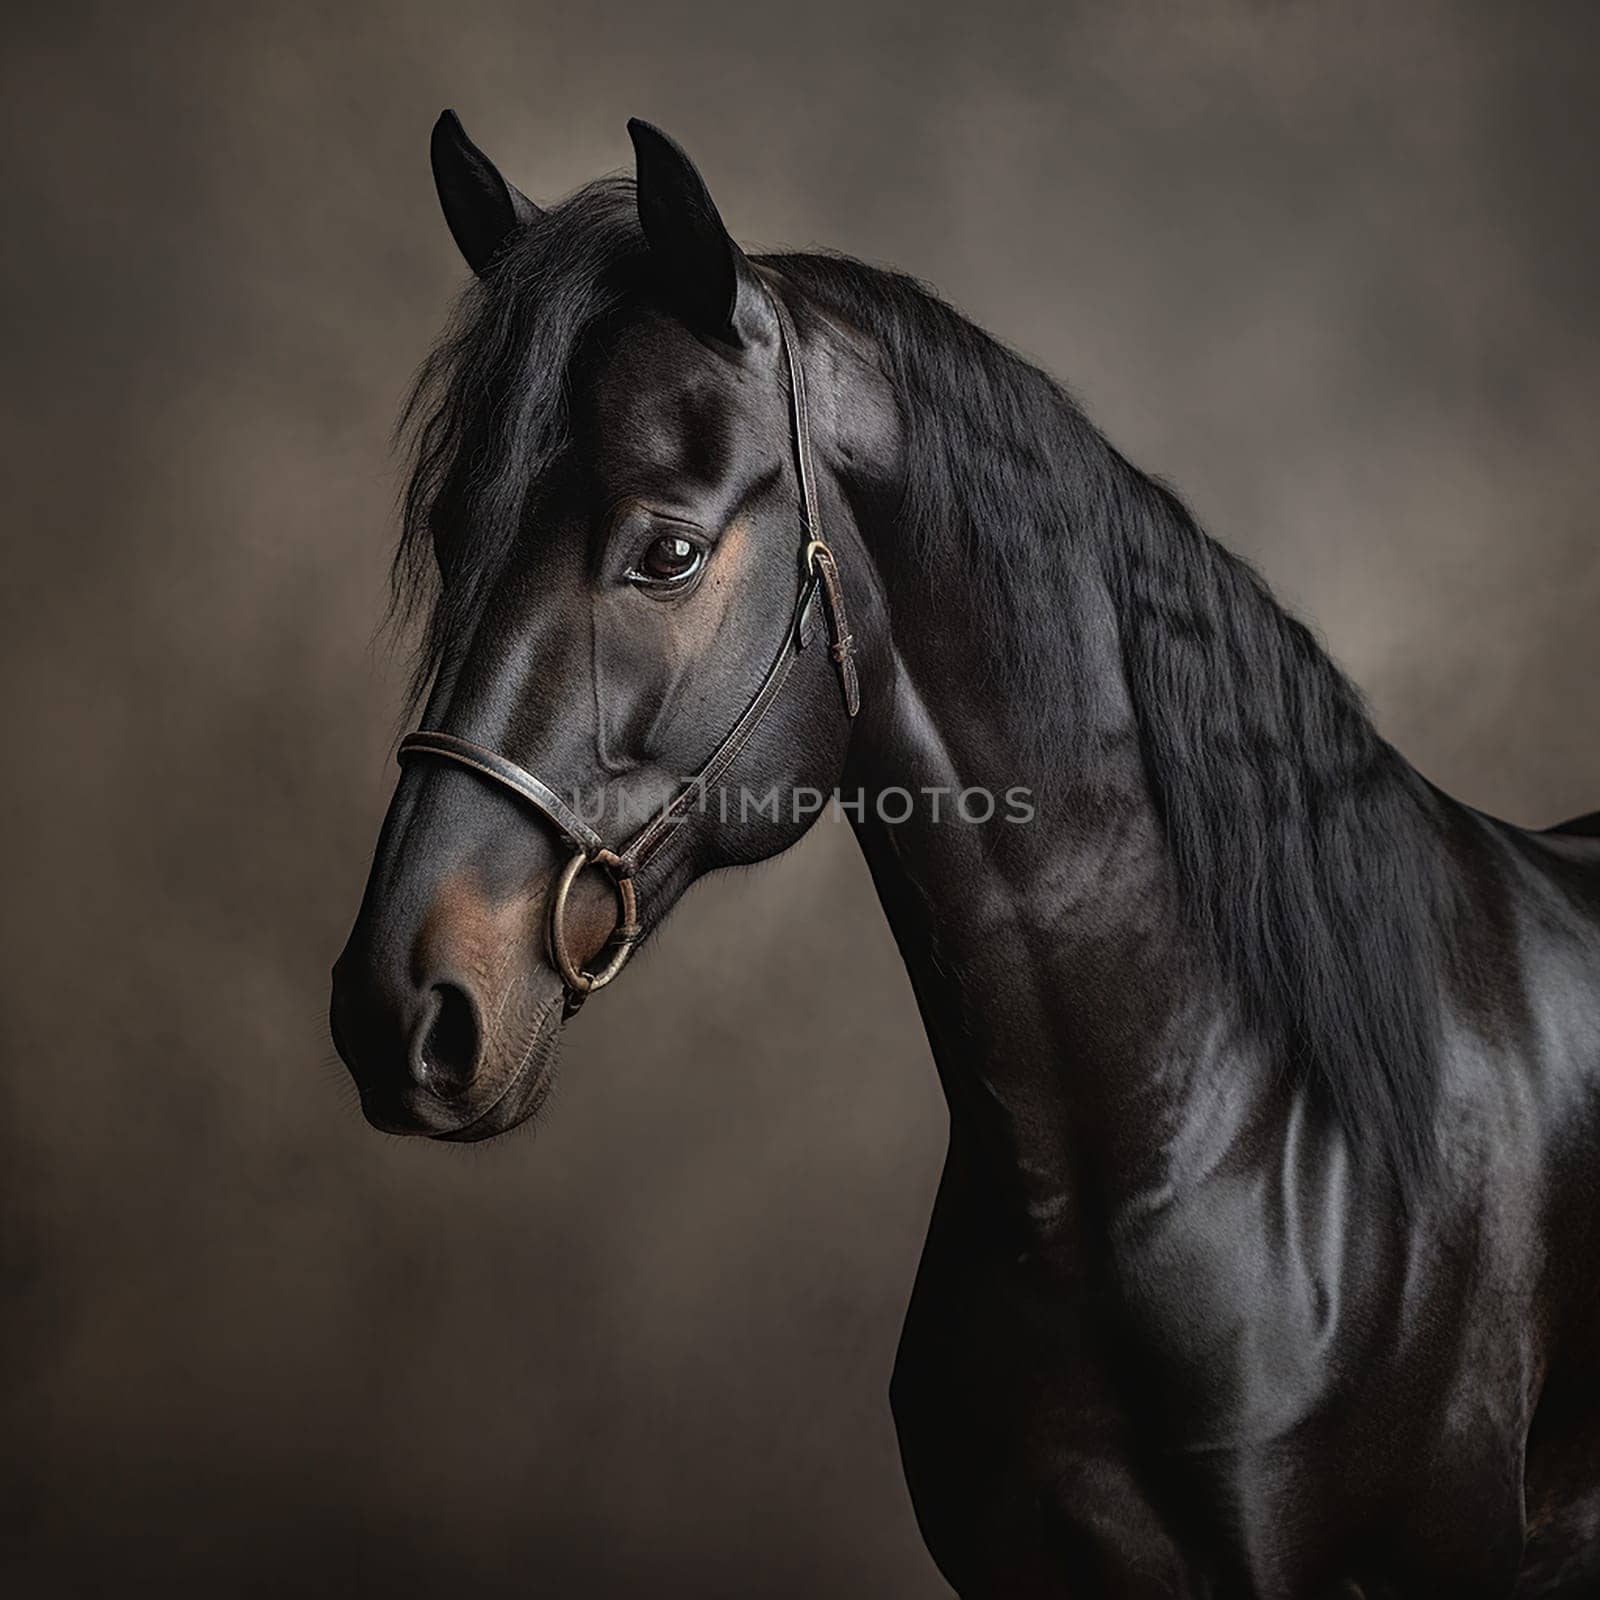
[581, 983]
[819, 562]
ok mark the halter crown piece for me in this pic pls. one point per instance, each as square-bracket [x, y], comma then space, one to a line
[819, 584]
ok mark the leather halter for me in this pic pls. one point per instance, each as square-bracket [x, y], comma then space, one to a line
[819, 583]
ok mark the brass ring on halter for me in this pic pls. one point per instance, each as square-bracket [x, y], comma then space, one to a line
[580, 984]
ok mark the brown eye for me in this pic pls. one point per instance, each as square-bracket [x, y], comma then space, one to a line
[669, 559]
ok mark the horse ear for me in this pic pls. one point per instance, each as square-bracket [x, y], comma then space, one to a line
[708, 277]
[483, 210]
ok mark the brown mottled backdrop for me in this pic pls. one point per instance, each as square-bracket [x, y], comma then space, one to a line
[1331, 269]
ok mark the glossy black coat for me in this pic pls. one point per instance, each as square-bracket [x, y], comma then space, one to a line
[1176, 1331]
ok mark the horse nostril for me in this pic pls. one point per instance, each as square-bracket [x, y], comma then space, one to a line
[448, 1059]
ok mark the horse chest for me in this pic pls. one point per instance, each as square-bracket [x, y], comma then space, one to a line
[1203, 1410]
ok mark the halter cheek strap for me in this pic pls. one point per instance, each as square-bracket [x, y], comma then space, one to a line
[816, 558]
[820, 586]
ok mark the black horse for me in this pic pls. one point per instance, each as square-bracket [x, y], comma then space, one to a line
[1265, 1256]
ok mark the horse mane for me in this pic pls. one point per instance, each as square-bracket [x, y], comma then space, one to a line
[489, 410]
[1303, 862]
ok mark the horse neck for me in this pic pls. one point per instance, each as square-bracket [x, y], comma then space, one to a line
[1043, 615]
[1044, 954]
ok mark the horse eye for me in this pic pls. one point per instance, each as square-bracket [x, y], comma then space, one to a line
[670, 559]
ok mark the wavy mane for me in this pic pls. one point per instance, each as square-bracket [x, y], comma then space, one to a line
[1307, 862]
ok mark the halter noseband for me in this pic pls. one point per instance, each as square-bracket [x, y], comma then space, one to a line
[819, 581]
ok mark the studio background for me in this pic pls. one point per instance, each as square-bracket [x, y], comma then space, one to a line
[1328, 269]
